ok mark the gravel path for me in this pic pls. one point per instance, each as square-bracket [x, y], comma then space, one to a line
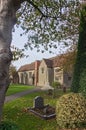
[20, 94]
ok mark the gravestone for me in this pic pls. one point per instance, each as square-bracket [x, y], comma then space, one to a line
[38, 102]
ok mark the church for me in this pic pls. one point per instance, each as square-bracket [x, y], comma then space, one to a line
[44, 72]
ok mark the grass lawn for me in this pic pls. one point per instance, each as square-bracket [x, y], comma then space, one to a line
[15, 111]
[15, 88]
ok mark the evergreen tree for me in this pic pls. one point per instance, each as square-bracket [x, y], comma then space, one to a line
[79, 78]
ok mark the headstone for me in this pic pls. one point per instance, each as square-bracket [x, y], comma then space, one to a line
[38, 102]
[64, 88]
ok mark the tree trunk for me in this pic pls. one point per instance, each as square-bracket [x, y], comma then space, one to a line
[8, 10]
[79, 79]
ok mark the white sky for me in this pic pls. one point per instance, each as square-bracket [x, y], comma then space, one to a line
[19, 41]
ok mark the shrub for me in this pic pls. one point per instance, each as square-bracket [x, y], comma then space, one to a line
[56, 84]
[50, 92]
[71, 111]
[8, 126]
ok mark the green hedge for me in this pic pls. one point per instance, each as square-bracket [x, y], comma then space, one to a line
[71, 111]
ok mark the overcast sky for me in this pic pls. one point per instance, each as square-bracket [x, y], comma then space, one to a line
[19, 42]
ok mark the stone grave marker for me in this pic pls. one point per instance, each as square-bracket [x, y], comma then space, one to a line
[38, 102]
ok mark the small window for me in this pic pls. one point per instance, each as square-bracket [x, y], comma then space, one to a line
[42, 69]
[57, 70]
[58, 78]
[30, 74]
[25, 74]
[69, 78]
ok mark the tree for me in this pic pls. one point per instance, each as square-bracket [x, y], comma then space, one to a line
[8, 10]
[12, 73]
[17, 53]
[79, 78]
[51, 19]
[69, 61]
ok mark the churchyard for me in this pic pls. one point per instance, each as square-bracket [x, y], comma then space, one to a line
[15, 88]
[16, 111]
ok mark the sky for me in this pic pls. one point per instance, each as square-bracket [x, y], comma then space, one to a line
[19, 41]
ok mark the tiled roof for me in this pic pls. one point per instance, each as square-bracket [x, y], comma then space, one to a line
[48, 62]
[56, 61]
[27, 67]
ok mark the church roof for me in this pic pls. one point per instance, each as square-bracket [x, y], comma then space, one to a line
[56, 61]
[27, 67]
[48, 62]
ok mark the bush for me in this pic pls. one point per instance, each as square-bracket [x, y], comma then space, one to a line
[8, 126]
[71, 111]
[56, 84]
[50, 92]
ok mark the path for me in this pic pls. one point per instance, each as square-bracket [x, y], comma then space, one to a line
[20, 94]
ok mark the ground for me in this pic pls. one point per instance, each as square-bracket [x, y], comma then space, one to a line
[16, 111]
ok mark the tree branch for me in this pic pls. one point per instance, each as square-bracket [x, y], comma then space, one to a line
[36, 7]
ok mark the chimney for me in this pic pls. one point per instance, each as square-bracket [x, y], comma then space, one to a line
[37, 63]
